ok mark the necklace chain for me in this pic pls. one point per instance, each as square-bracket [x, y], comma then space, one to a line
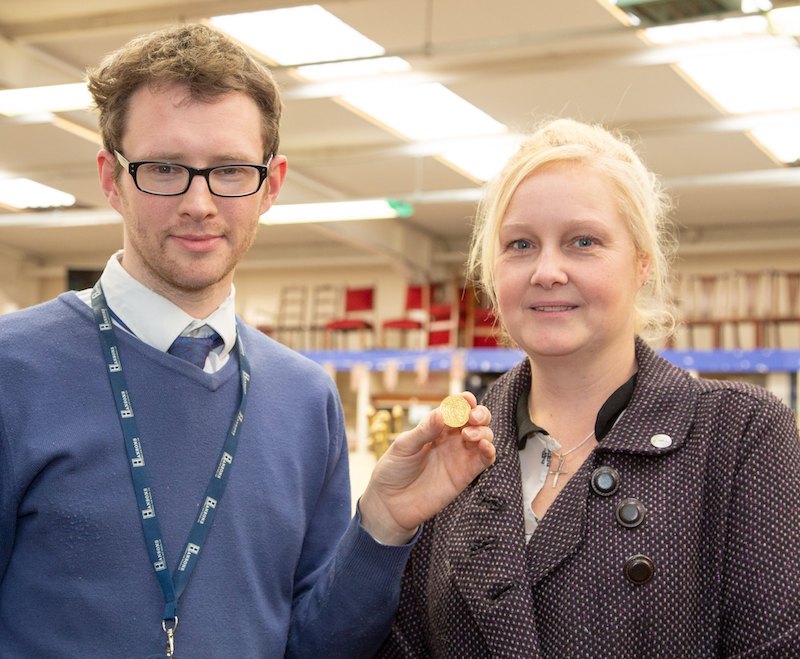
[563, 456]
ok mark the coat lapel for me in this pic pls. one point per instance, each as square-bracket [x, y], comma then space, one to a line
[561, 530]
[488, 558]
[488, 552]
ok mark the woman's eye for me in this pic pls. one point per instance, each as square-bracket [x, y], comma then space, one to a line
[521, 244]
[584, 241]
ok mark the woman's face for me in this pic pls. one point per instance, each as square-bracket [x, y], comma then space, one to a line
[567, 271]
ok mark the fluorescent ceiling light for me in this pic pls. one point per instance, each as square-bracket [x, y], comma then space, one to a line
[781, 138]
[785, 20]
[706, 30]
[752, 6]
[426, 111]
[482, 158]
[297, 35]
[336, 211]
[25, 193]
[41, 100]
[746, 66]
[755, 77]
[293, 36]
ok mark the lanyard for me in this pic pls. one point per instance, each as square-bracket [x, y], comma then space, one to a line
[173, 584]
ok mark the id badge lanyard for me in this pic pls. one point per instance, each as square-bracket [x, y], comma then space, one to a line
[172, 584]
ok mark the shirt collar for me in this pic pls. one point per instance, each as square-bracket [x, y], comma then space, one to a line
[153, 318]
[606, 417]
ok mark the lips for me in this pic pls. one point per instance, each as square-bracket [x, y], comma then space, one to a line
[552, 308]
[202, 243]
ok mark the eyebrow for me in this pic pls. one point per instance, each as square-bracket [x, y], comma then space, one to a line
[183, 160]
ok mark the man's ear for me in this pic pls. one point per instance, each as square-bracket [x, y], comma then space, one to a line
[106, 168]
[277, 174]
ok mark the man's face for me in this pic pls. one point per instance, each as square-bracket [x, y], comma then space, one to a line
[187, 246]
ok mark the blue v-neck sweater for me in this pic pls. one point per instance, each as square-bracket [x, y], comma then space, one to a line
[284, 571]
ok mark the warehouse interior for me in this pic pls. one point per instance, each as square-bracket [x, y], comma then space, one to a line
[731, 163]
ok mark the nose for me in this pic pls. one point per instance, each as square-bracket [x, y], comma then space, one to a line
[198, 201]
[549, 269]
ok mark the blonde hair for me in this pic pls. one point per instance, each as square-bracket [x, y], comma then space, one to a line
[640, 200]
[203, 59]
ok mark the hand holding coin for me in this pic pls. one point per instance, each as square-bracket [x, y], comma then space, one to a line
[426, 467]
[455, 411]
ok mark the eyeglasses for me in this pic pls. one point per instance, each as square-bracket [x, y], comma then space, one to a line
[169, 179]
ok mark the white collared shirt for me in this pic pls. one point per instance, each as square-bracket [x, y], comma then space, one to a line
[534, 462]
[158, 322]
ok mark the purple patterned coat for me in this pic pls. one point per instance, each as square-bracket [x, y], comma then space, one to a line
[707, 563]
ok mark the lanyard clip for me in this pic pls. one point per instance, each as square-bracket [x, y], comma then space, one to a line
[169, 627]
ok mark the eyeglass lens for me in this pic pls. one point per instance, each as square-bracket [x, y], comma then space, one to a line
[225, 180]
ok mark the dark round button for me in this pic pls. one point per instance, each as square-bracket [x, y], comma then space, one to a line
[639, 569]
[605, 481]
[630, 513]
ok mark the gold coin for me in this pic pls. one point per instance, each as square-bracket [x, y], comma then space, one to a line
[455, 410]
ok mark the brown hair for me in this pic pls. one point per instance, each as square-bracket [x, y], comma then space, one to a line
[206, 61]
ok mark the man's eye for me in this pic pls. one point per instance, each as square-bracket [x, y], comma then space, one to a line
[161, 169]
[230, 172]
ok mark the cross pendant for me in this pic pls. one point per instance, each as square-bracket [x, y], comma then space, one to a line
[558, 470]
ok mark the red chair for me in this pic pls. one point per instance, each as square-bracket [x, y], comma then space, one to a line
[358, 318]
[447, 316]
[483, 332]
[415, 318]
[480, 324]
[445, 323]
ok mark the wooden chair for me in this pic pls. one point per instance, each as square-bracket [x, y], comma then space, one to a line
[415, 318]
[480, 326]
[446, 315]
[483, 330]
[290, 325]
[326, 304]
[358, 318]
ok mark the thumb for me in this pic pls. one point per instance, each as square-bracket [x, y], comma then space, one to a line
[426, 431]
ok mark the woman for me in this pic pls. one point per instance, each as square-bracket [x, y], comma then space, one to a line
[633, 510]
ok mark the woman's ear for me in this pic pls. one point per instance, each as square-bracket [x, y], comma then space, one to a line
[644, 268]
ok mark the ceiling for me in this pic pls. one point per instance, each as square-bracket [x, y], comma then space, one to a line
[518, 60]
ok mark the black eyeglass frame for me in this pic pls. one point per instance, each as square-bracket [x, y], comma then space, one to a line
[132, 168]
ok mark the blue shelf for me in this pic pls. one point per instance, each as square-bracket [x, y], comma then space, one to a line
[499, 360]
[736, 361]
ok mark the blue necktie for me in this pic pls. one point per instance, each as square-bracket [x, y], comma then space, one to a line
[195, 349]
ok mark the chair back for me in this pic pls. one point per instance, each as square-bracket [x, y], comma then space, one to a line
[358, 300]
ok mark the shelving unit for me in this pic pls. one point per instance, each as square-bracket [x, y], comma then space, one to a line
[424, 376]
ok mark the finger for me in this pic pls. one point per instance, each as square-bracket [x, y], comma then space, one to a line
[480, 416]
[470, 398]
[488, 453]
[484, 449]
[476, 434]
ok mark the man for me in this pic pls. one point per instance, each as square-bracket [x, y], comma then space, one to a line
[107, 547]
